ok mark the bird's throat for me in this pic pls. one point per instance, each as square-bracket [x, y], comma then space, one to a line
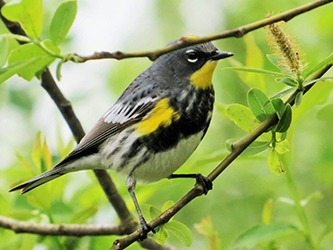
[202, 78]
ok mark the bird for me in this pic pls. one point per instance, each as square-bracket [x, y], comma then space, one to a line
[153, 127]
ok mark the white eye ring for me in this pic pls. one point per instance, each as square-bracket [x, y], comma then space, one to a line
[192, 56]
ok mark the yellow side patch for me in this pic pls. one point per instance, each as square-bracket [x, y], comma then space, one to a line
[203, 77]
[162, 115]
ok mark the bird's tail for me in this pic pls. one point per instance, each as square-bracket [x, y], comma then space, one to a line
[40, 179]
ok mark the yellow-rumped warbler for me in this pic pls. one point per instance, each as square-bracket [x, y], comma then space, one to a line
[153, 127]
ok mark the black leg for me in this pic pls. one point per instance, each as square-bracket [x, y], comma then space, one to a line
[204, 181]
[145, 228]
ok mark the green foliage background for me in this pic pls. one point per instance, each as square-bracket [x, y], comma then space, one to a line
[237, 200]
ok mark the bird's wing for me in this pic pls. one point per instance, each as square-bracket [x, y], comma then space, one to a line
[115, 120]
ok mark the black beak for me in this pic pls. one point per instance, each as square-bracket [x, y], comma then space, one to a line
[219, 55]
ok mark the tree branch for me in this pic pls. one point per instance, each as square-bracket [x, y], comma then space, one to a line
[237, 149]
[78, 230]
[60, 230]
[187, 41]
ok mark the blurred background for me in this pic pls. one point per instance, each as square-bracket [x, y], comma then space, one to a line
[236, 202]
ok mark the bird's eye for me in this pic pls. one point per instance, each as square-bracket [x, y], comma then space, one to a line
[192, 56]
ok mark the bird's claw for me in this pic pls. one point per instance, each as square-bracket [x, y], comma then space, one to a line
[205, 182]
[144, 230]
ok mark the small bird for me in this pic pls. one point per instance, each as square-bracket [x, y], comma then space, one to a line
[154, 126]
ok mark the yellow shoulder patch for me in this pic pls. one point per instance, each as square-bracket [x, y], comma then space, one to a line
[162, 115]
[202, 78]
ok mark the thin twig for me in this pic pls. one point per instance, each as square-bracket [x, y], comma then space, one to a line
[187, 41]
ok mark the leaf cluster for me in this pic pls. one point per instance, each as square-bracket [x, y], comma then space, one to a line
[31, 58]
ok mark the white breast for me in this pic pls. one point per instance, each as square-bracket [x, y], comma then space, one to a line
[163, 164]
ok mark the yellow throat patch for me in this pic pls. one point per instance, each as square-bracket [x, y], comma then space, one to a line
[202, 78]
[162, 115]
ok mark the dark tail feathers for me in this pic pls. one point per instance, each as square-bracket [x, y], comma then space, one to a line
[39, 180]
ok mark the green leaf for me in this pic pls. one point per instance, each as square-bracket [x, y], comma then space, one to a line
[326, 113]
[259, 104]
[27, 52]
[267, 211]
[28, 13]
[4, 51]
[288, 81]
[281, 136]
[181, 231]
[254, 59]
[5, 205]
[24, 163]
[328, 229]
[154, 212]
[282, 147]
[167, 205]
[286, 200]
[298, 98]
[242, 116]
[318, 94]
[37, 150]
[12, 69]
[254, 148]
[206, 228]
[314, 197]
[221, 108]
[275, 61]
[259, 71]
[82, 216]
[51, 47]
[274, 163]
[62, 21]
[25, 215]
[285, 121]
[263, 233]
[278, 106]
[318, 79]
[162, 235]
[20, 38]
[327, 61]
[58, 71]
[47, 156]
[236, 64]
[40, 199]
[283, 93]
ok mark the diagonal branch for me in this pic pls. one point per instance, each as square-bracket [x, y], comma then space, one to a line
[187, 41]
[237, 149]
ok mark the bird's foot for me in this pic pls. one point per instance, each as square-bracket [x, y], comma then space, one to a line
[145, 228]
[205, 182]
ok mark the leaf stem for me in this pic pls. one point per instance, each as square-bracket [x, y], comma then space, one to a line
[299, 208]
[47, 50]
